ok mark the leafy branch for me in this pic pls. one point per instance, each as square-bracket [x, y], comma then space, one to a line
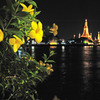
[46, 59]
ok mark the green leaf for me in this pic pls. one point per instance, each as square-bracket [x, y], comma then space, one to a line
[23, 19]
[22, 14]
[26, 91]
[36, 20]
[10, 48]
[19, 22]
[52, 52]
[1, 85]
[22, 1]
[36, 72]
[35, 62]
[23, 82]
[14, 17]
[32, 2]
[15, 31]
[1, 22]
[15, 0]
[32, 96]
[10, 5]
[13, 88]
[45, 56]
[25, 73]
[31, 72]
[33, 82]
[37, 13]
[39, 78]
[8, 71]
[6, 86]
[14, 24]
[27, 64]
[50, 61]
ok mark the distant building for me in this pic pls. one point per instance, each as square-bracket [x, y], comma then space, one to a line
[98, 35]
[74, 36]
[86, 31]
[79, 36]
[85, 38]
[95, 39]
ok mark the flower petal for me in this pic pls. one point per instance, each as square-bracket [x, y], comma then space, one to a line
[24, 7]
[1, 35]
[52, 29]
[12, 41]
[40, 25]
[38, 38]
[23, 40]
[34, 25]
[30, 7]
[32, 34]
[15, 48]
[19, 42]
[32, 12]
[55, 33]
[16, 37]
[28, 38]
[40, 32]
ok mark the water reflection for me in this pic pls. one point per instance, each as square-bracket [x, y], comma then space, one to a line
[63, 73]
[98, 64]
[76, 75]
[86, 72]
[33, 51]
[63, 48]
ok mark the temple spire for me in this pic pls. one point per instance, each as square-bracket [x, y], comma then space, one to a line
[86, 23]
[86, 31]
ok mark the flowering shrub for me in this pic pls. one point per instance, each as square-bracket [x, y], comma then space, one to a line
[54, 29]
[19, 76]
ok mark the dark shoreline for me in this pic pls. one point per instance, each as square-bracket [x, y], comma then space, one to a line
[63, 45]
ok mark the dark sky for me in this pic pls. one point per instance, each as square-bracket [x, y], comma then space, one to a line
[70, 15]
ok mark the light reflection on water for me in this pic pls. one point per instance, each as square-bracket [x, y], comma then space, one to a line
[76, 75]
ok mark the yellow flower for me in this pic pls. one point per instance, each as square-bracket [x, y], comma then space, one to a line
[36, 32]
[38, 38]
[27, 9]
[1, 35]
[31, 59]
[16, 42]
[28, 38]
[41, 63]
[54, 29]
[49, 67]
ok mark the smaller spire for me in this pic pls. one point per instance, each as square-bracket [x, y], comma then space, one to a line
[85, 20]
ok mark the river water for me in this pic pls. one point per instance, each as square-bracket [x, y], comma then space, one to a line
[76, 73]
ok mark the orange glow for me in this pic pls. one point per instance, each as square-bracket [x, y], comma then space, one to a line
[54, 29]
[53, 42]
[86, 31]
[79, 36]
[74, 36]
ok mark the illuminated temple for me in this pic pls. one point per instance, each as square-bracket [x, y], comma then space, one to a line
[86, 31]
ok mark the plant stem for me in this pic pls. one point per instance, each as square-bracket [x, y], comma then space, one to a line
[9, 23]
[13, 16]
[12, 94]
[10, 97]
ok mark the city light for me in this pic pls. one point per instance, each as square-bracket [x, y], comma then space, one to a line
[63, 48]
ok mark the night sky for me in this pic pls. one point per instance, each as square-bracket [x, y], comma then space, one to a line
[70, 15]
